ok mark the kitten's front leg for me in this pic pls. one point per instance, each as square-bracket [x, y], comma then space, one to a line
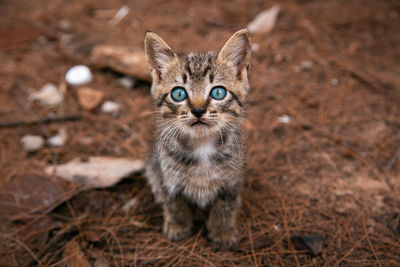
[177, 218]
[221, 222]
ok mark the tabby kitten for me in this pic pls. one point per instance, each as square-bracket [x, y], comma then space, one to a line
[198, 157]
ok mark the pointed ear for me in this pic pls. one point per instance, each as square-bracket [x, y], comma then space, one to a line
[237, 51]
[159, 54]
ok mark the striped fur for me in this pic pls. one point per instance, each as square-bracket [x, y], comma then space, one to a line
[201, 163]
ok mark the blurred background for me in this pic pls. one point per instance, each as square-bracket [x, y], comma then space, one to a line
[323, 132]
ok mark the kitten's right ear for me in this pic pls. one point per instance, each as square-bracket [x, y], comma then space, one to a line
[237, 52]
[159, 54]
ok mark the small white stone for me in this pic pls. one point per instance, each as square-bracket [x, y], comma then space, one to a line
[334, 82]
[32, 143]
[42, 39]
[129, 204]
[126, 82]
[59, 139]
[255, 47]
[304, 66]
[78, 75]
[64, 25]
[110, 107]
[49, 95]
[133, 137]
[87, 140]
[284, 119]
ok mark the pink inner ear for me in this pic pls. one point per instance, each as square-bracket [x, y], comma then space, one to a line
[161, 58]
[237, 51]
[158, 52]
[243, 61]
[152, 60]
[242, 64]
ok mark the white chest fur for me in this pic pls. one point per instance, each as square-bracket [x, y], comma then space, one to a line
[204, 152]
[199, 183]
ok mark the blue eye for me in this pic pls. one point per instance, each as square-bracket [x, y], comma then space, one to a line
[178, 94]
[218, 93]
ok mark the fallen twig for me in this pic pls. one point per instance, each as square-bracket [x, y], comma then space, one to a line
[50, 244]
[392, 161]
[45, 120]
[379, 83]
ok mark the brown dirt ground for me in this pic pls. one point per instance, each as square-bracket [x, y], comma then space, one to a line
[331, 171]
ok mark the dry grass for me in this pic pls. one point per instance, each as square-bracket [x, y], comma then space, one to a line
[333, 170]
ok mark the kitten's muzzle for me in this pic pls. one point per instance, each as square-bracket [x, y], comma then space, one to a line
[198, 112]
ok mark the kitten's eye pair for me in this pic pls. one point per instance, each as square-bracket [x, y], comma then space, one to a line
[179, 93]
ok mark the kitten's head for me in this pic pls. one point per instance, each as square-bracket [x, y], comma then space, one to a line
[199, 93]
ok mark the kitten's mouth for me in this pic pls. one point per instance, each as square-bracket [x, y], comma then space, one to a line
[198, 123]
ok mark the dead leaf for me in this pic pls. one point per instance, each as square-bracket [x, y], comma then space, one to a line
[258, 243]
[36, 232]
[101, 263]
[91, 236]
[122, 59]
[28, 194]
[312, 243]
[73, 255]
[49, 95]
[96, 172]
[89, 98]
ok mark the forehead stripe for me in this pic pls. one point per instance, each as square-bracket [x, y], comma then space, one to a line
[206, 70]
[188, 69]
[211, 76]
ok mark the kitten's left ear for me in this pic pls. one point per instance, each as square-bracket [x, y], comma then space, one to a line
[159, 54]
[237, 51]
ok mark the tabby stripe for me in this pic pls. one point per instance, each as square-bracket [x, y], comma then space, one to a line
[236, 99]
[184, 141]
[225, 107]
[220, 158]
[181, 157]
[171, 106]
[162, 100]
[211, 78]
[187, 67]
[206, 70]
[230, 194]
[222, 138]
[230, 111]
[228, 103]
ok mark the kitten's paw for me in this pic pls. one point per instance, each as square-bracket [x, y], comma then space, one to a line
[224, 239]
[175, 231]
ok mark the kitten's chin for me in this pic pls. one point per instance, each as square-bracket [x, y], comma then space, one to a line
[200, 129]
[198, 124]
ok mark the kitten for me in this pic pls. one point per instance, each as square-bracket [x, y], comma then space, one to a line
[198, 157]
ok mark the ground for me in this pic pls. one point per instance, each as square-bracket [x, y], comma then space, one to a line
[333, 170]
